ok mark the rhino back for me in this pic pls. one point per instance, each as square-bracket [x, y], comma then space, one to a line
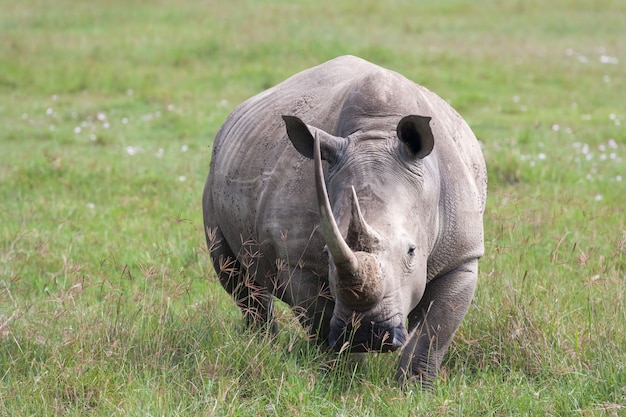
[261, 188]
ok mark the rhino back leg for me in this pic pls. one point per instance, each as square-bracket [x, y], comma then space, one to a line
[434, 321]
[254, 300]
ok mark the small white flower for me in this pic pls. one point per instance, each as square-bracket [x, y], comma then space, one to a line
[602, 148]
[541, 156]
[54, 97]
[125, 120]
[159, 153]
[598, 197]
[605, 59]
[170, 107]
[49, 112]
[24, 116]
[102, 117]
[586, 117]
[91, 206]
[130, 92]
[184, 148]
[52, 128]
[182, 178]
[612, 143]
[618, 178]
[77, 130]
[556, 127]
[132, 150]
[515, 99]
[106, 125]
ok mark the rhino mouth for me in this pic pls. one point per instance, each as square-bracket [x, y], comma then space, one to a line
[361, 337]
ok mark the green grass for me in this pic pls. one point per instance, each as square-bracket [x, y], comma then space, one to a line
[108, 304]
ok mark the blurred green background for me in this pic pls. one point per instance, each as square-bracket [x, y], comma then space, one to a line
[108, 304]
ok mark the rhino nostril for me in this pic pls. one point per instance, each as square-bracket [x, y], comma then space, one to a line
[371, 337]
[399, 338]
[332, 338]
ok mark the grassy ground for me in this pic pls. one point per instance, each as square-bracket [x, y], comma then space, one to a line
[108, 305]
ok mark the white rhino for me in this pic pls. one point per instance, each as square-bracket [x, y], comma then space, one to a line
[375, 243]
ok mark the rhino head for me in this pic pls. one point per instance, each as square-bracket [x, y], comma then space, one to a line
[377, 272]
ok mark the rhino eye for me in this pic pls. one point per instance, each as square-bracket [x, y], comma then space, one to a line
[411, 251]
[325, 251]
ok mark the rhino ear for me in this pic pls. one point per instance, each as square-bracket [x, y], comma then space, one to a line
[415, 133]
[301, 136]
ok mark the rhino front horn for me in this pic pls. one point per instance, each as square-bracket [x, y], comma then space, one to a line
[358, 273]
[343, 257]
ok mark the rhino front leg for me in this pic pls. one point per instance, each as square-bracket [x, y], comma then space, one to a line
[240, 281]
[310, 300]
[433, 323]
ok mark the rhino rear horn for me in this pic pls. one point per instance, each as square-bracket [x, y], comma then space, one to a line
[302, 137]
[416, 135]
[361, 237]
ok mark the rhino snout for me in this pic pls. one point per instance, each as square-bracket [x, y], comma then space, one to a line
[367, 336]
[362, 289]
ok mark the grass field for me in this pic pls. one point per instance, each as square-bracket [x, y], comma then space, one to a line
[108, 304]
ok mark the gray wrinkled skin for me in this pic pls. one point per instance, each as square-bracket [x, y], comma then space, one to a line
[412, 226]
